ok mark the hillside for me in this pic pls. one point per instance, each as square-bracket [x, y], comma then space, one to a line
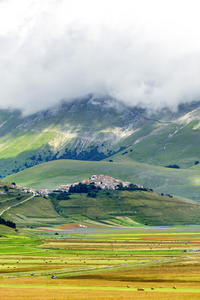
[36, 212]
[105, 207]
[121, 207]
[10, 197]
[94, 129]
[39, 209]
[176, 143]
[5, 230]
[147, 208]
[178, 182]
[86, 129]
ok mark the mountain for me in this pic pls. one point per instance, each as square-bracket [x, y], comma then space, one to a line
[175, 143]
[74, 140]
[97, 129]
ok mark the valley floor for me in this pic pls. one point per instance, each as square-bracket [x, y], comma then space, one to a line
[129, 263]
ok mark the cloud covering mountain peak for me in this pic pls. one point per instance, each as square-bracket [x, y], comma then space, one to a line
[145, 53]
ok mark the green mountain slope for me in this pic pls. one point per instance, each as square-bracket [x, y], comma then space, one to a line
[83, 129]
[94, 129]
[176, 143]
[178, 182]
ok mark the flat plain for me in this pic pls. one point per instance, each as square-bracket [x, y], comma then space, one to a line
[100, 263]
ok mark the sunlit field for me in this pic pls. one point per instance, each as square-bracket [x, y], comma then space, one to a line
[134, 263]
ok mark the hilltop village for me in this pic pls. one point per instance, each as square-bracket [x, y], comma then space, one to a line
[101, 181]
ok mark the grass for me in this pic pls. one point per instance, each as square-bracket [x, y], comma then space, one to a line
[5, 230]
[14, 144]
[100, 264]
[173, 143]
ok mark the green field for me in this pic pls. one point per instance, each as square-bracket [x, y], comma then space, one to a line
[100, 263]
[178, 182]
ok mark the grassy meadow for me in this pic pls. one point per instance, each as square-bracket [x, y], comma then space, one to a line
[103, 263]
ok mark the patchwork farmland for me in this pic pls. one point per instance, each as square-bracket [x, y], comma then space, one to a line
[64, 262]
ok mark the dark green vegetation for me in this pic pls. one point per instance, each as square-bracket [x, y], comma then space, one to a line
[100, 264]
[7, 223]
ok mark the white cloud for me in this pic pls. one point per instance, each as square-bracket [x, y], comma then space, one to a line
[142, 52]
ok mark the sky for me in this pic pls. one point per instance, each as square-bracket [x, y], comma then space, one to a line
[143, 52]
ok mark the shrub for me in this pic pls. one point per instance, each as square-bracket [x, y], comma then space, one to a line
[7, 223]
[173, 166]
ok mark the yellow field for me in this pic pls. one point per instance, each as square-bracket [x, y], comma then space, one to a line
[110, 287]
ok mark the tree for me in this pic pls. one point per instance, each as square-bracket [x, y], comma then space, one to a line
[120, 186]
[92, 194]
[6, 188]
[7, 223]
